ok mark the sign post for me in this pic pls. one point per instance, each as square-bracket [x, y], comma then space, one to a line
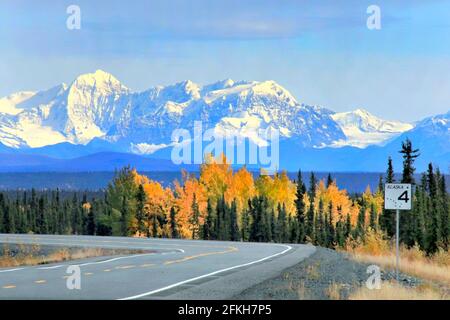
[397, 196]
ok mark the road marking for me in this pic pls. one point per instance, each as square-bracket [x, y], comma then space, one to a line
[9, 270]
[146, 265]
[40, 281]
[125, 267]
[115, 259]
[88, 273]
[231, 249]
[107, 270]
[206, 275]
[52, 267]
[9, 287]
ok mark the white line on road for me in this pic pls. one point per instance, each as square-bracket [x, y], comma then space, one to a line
[52, 267]
[9, 270]
[96, 262]
[205, 275]
[115, 259]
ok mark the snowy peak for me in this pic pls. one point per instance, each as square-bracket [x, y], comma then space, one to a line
[436, 123]
[9, 104]
[181, 92]
[219, 85]
[101, 81]
[93, 103]
[363, 129]
[367, 122]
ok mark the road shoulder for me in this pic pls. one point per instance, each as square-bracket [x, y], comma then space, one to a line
[226, 285]
[325, 275]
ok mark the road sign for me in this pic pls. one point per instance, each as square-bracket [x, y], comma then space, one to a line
[397, 196]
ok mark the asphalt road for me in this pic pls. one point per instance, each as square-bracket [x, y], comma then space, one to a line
[175, 269]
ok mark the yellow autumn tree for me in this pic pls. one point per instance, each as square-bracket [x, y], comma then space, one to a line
[216, 176]
[241, 188]
[184, 200]
[159, 201]
[340, 200]
[279, 189]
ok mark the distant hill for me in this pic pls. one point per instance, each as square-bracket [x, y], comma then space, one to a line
[103, 161]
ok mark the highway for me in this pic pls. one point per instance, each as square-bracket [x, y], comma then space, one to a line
[172, 269]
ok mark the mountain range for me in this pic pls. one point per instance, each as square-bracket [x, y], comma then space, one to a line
[96, 116]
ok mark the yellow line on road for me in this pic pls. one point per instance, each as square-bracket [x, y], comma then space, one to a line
[9, 287]
[125, 267]
[230, 249]
[88, 273]
[147, 265]
[40, 281]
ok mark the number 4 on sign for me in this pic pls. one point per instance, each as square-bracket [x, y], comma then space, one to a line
[404, 196]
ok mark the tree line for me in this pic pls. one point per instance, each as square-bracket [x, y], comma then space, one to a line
[226, 205]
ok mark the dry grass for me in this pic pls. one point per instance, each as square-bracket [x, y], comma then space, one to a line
[302, 291]
[28, 256]
[313, 271]
[334, 291]
[413, 261]
[393, 291]
[423, 268]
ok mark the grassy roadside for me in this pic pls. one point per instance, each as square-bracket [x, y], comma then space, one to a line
[333, 275]
[29, 255]
[390, 290]
[433, 270]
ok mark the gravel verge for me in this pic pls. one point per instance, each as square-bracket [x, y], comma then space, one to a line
[312, 278]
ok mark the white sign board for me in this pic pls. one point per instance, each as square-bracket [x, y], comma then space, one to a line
[397, 196]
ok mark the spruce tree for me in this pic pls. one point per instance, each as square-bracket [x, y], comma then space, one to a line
[409, 156]
[310, 225]
[380, 188]
[90, 225]
[219, 223]
[418, 212]
[329, 180]
[331, 231]
[361, 222]
[348, 227]
[300, 208]
[173, 224]
[319, 230]
[259, 232]
[140, 209]
[234, 232]
[373, 217]
[387, 219]
[294, 230]
[434, 232]
[282, 224]
[245, 224]
[445, 210]
[194, 220]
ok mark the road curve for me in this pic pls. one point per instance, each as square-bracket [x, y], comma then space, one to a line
[174, 269]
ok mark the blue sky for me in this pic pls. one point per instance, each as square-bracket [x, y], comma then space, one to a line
[321, 51]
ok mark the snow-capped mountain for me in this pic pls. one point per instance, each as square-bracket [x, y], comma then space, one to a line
[363, 129]
[431, 135]
[97, 109]
[97, 105]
